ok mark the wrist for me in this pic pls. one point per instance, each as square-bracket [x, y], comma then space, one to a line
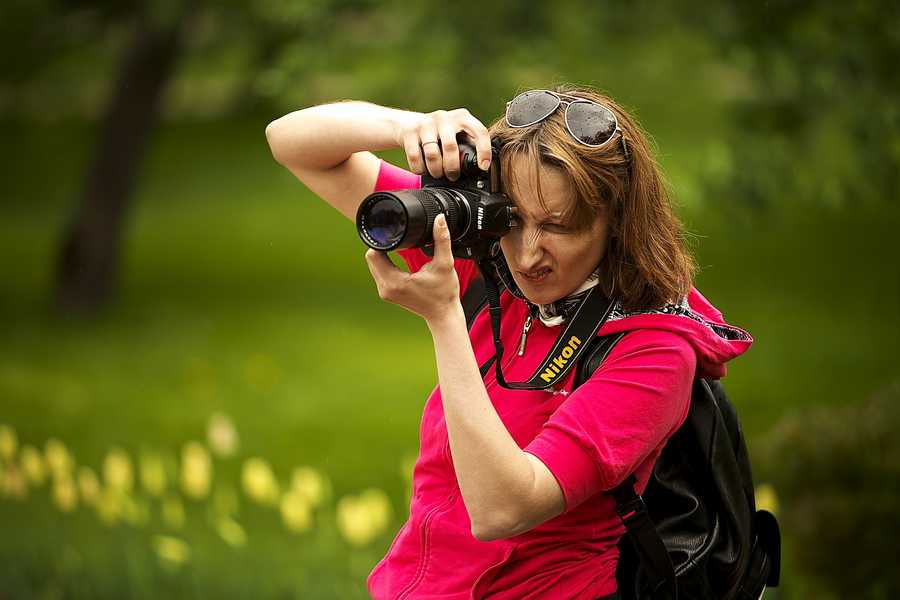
[400, 122]
[447, 320]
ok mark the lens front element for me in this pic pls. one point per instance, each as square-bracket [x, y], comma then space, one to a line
[383, 223]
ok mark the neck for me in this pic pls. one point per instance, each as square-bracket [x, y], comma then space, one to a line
[556, 313]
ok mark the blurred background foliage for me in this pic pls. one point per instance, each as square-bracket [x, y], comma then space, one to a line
[167, 286]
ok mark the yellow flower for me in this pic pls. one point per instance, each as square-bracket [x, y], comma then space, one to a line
[173, 512]
[15, 485]
[65, 495]
[153, 474]
[58, 458]
[171, 550]
[361, 519]
[88, 485]
[259, 481]
[196, 470]
[221, 435]
[232, 532]
[117, 470]
[33, 465]
[8, 442]
[296, 511]
[311, 484]
[766, 498]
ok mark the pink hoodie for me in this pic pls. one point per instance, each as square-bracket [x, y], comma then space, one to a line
[614, 424]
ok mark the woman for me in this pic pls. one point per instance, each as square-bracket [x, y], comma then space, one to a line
[509, 484]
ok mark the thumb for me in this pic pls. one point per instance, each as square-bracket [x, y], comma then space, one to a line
[441, 233]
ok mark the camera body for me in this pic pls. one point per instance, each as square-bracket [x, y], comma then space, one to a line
[478, 214]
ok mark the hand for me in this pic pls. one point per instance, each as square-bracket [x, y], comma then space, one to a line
[432, 292]
[420, 135]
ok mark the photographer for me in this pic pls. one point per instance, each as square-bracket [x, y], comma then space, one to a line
[509, 484]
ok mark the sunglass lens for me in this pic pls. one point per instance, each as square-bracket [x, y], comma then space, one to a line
[530, 107]
[590, 123]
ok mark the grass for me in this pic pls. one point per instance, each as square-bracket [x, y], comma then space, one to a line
[243, 294]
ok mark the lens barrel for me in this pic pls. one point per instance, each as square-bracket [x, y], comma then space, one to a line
[405, 218]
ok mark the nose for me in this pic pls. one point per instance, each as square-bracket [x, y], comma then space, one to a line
[529, 251]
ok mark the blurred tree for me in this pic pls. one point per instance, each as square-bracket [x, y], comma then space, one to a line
[837, 472]
[90, 249]
[821, 124]
[89, 254]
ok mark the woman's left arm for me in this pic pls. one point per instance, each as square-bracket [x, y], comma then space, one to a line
[506, 490]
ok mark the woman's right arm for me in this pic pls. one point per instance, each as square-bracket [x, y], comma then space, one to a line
[329, 147]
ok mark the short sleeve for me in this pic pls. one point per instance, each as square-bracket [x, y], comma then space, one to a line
[392, 177]
[614, 421]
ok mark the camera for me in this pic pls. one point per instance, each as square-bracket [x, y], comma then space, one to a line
[477, 213]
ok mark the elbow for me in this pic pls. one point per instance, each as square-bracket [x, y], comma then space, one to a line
[498, 528]
[274, 138]
[486, 535]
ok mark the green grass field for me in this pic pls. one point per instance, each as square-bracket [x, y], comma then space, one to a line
[243, 294]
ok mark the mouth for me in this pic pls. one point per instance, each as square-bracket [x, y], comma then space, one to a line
[536, 276]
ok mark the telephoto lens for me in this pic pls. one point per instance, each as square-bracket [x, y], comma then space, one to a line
[477, 213]
[405, 218]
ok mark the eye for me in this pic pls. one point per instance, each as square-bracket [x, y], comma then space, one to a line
[555, 227]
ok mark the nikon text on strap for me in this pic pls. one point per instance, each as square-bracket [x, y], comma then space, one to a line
[571, 343]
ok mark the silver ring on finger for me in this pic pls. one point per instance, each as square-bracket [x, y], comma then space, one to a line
[431, 142]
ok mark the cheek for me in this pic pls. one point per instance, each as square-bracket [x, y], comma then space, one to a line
[506, 245]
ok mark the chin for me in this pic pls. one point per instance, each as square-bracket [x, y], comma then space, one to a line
[543, 296]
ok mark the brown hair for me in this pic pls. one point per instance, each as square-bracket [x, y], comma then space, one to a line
[646, 264]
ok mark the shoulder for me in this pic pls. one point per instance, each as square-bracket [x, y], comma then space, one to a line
[652, 348]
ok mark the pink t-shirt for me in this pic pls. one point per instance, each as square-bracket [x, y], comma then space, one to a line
[591, 439]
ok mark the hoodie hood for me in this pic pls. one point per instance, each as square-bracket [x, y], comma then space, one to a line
[695, 319]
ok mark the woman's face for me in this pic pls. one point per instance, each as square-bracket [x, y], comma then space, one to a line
[548, 260]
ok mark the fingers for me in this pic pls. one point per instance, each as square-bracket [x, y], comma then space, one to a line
[478, 132]
[443, 253]
[451, 150]
[431, 142]
[413, 152]
[428, 134]
[383, 271]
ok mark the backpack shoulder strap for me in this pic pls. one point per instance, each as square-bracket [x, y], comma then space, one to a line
[630, 506]
[597, 351]
[650, 547]
[474, 299]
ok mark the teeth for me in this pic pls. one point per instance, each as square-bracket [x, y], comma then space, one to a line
[537, 274]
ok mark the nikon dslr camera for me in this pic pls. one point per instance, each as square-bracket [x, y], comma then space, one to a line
[477, 213]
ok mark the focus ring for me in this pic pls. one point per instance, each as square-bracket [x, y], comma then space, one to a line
[432, 208]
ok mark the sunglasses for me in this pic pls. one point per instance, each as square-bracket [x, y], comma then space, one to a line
[591, 124]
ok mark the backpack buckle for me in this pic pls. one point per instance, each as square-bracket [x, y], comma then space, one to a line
[632, 509]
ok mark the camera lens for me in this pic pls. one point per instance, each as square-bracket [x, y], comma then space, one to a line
[404, 218]
[385, 221]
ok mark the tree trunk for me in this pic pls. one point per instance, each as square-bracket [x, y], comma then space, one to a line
[89, 257]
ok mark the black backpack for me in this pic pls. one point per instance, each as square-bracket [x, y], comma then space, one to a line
[695, 533]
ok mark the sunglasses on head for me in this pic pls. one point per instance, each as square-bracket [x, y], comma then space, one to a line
[591, 124]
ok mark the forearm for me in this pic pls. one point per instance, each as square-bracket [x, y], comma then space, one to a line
[321, 137]
[492, 471]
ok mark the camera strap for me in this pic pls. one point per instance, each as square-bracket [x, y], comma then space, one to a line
[590, 315]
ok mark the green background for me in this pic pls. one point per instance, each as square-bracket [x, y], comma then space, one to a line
[241, 293]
